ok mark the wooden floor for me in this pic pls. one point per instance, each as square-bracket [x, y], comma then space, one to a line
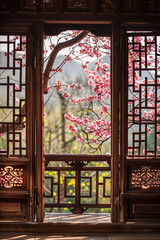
[78, 218]
[24, 236]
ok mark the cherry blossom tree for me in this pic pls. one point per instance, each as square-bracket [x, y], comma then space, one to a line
[90, 119]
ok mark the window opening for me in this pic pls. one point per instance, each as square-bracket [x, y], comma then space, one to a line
[77, 123]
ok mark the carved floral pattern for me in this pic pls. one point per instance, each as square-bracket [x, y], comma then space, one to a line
[11, 177]
[145, 178]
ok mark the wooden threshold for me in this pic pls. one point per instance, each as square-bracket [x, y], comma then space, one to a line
[78, 218]
[100, 228]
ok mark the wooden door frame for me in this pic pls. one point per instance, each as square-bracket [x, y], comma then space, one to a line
[39, 158]
[116, 80]
[39, 172]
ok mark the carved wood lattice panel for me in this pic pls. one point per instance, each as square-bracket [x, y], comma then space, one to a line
[13, 94]
[143, 95]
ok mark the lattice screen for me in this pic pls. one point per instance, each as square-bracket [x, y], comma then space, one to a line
[13, 93]
[144, 95]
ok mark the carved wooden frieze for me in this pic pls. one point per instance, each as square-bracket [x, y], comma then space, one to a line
[11, 177]
[145, 177]
[76, 5]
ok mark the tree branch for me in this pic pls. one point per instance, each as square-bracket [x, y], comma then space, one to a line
[54, 53]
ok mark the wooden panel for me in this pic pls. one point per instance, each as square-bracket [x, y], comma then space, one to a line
[13, 209]
[10, 207]
[145, 209]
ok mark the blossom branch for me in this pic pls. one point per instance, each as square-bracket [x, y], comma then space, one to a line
[54, 53]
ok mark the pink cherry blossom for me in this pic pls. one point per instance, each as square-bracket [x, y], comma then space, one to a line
[58, 86]
[90, 98]
[69, 115]
[66, 95]
[16, 87]
[85, 120]
[72, 128]
[104, 109]
[73, 85]
[80, 87]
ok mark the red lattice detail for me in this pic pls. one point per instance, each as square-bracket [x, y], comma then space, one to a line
[13, 94]
[11, 177]
[143, 95]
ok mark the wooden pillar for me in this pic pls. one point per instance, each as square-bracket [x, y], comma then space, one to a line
[39, 161]
[30, 127]
[124, 123]
[115, 121]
